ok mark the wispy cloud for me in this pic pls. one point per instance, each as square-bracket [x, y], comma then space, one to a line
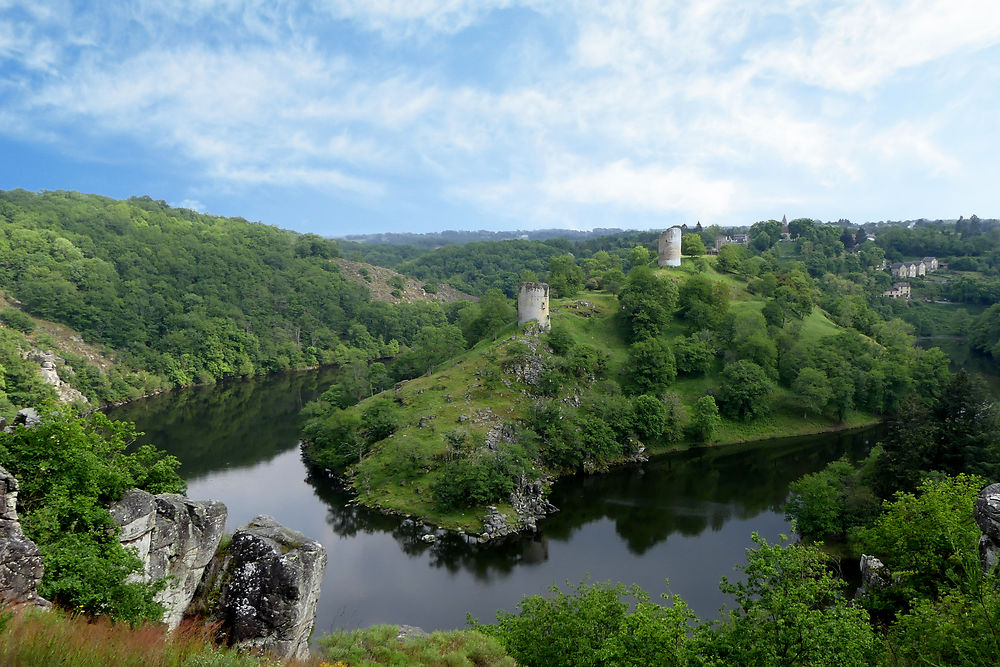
[714, 108]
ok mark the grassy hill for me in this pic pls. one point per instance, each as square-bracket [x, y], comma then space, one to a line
[486, 415]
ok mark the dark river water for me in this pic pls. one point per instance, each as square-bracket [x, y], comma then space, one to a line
[686, 517]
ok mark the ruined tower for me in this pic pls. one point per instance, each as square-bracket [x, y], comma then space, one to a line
[670, 247]
[533, 304]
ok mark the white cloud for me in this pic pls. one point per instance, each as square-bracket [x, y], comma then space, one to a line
[192, 204]
[649, 188]
[861, 44]
[689, 108]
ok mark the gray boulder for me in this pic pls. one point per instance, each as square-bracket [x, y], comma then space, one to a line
[175, 537]
[20, 560]
[986, 512]
[271, 583]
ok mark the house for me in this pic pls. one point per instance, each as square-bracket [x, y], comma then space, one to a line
[908, 269]
[931, 264]
[899, 291]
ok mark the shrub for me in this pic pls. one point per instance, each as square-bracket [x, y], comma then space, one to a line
[69, 471]
[17, 319]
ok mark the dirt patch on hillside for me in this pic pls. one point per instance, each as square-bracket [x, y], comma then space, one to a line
[387, 285]
[66, 339]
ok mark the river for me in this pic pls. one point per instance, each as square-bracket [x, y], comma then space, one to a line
[687, 517]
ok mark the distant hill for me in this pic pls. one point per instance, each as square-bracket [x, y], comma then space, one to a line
[458, 237]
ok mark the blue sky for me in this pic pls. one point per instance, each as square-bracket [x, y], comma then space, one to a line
[343, 116]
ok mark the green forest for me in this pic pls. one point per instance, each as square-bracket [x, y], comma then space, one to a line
[440, 409]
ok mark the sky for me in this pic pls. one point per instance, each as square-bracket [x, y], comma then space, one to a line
[362, 116]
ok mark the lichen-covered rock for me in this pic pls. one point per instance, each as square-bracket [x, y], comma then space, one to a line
[874, 575]
[271, 584]
[986, 512]
[21, 566]
[175, 537]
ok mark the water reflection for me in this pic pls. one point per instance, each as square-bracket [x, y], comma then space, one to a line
[227, 425]
[686, 517]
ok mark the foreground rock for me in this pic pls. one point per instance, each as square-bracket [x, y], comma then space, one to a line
[175, 537]
[986, 512]
[271, 578]
[20, 560]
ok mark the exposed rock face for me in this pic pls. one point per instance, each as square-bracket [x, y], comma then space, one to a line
[987, 515]
[175, 537]
[271, 583]
[529, 506]
[20, 560]
[48, 361]
[874, 575]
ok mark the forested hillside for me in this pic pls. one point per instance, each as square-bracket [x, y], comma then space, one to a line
[191, 297]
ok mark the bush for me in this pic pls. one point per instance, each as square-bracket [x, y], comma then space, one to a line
[378, 645]
[69, 471]
[17, 319]
[482, 478]
[592, 625]
[560, 340]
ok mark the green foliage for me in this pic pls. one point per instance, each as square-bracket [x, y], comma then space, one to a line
[647, 303]
[17, 319]
[691, 244]
[186, 296]
[378, 645]
[705, 419]
[592, 625]
[703, 302]
[791, 612]
[379, 419]
[650, 416]
[958, 432]
[694, 354]
[481, 478]
[924, 539]
[811, 390]
[69, 471]
[651, 366]
[565, 277]
[746, 390]
[560, 339]
[484, 319]
[831, 502]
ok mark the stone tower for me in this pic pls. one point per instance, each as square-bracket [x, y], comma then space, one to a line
[670, 247]
[533, 304]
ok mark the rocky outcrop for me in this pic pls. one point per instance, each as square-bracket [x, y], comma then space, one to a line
[529, 506]
[270, 587]
[175, 537]
[47, 362]
[20, 560]
[986, 512]
[874, 575]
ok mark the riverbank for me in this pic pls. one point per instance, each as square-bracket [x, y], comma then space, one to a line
[468, 523]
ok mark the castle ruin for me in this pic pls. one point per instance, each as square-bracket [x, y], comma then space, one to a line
[533, 304]
[670, 247]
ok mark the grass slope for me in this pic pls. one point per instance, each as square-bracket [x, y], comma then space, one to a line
[400, 472]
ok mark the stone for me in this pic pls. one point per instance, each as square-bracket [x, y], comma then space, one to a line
[175, 537]
[986, 512]
[874, 574]
[271, 584]
[21, 565]
[27, 417]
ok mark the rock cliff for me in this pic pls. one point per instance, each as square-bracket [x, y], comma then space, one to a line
[986, 512]
[20, 560]
[175, 537]
[271, 578]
